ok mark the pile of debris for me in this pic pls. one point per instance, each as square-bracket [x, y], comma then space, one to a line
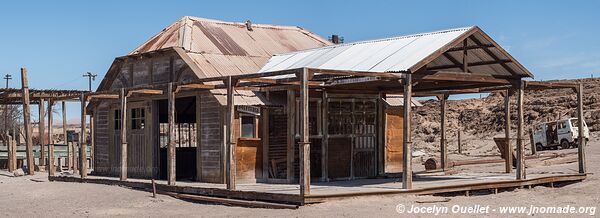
[483, 118]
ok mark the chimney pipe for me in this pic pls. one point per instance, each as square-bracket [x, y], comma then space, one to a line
[249, 25]
[335, 39]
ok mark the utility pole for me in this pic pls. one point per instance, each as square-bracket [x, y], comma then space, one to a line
[91, 77]
[7, 77]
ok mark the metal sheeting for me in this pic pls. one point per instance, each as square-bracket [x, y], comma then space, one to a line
[240, 97]
[399, 54]
[398, 100]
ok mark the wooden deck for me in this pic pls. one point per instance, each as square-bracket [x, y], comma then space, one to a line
[288, 194]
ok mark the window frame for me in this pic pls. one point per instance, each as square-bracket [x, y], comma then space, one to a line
[254, 125]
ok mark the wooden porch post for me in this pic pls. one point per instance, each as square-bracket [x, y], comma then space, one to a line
[171, 153]
[42, 131]
[51, 167]
[64, 127]
[325, 139]
[443, 144]
[82, 141]
[508, 147]
[304, 144]
[123, 97]
[520, 158]
[406, 149]
[231, 145]
[291, 136]
[581, 140]
[92, 140]
[27, 121]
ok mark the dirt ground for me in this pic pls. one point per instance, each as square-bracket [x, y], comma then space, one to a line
[34, 196]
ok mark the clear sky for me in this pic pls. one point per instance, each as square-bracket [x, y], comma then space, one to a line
[58, 41]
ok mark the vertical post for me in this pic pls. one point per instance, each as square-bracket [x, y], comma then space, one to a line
[533, 151]
[325, 133]
[291, 134]
[508, 150]
[83, 141]
[9, 150]
[581, 140]
[171, 161]
[42, 131]
[51, 167]
[465, 55]
[27, 121]
[443, 145]
[123, 98]
[520, 158]
[304, 146]
[230, 118]
[92, 140]
[406, 149]
[64, 129]
[459, 142]
[380, 134]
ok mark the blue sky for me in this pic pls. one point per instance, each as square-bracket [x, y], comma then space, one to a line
[58, 41]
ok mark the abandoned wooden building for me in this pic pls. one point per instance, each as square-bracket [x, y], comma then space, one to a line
[207, 101]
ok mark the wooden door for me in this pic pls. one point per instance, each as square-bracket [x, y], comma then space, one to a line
[139, 149]
[394, 139]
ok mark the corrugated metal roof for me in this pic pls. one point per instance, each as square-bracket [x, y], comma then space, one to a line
[398, 100]
[399, 54]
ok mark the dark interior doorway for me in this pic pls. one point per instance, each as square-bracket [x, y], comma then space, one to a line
[185, 138]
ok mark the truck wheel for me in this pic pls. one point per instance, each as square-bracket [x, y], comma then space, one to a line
[539, 147]
[564, 144]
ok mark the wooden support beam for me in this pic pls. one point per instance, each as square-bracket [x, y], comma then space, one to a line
[291, 134]
[465, 62]
[492, 55]
[459, 76]
[42, 132]
[536, 85]
[304, 144]
[231, 145]
[92, 140]
[194, 86]
[123, 97]
[103, 96]
[520, 152]
[145, 91]
[508, 147]
[83, 170]
[171, 152]
[407, 148]
[27, 121]
[481, 63]
[325, 133]
[443, 142]
[581, 140]
[51, 168]
[64, 132]
[355, 73]
[471, 47]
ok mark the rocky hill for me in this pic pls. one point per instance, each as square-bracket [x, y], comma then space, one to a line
[483, 118]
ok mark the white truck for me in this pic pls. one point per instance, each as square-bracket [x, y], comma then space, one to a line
[561, 134]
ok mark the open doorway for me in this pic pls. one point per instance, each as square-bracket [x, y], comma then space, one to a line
[185, 137]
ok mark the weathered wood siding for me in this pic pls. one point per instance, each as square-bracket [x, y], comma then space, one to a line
[101, 134]
[393, 139]
[211, 139]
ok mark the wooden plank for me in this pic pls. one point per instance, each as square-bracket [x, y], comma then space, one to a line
[459, 77]
[194, 86]
[508, 147]
[304, 146]
[27, 121]
[465, 62]
[83, 140]
[123, 164]
[520, 152]
[51, 168]
[443, 142]
[42, 132]
[145, 91]
[325, 140]
[64, 132]
[92, 139]
[581, 140]
[291, 126]
[171, 153]
[355, 73]
[231, 145]
[265, 141]
[493, 56]
[407, 149]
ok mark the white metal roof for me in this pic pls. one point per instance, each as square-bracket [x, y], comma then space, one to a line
[404, 53]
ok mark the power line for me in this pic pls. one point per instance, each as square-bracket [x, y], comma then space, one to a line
[91, 77]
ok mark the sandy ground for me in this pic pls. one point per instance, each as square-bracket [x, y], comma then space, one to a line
[34, 196]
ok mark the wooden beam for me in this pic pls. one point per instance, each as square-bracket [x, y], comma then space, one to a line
[27, 121]
[535, 85]
[356, 73]
[325, 140]
[231, 145]
[459, 77]
[465, 62]
[64, 132]
[493, 56]
[508, 147]
[42, 131]
[83, 140]
[471, 47]
[291, 134]
[145, 91]
[481, 63]
[304, 144]
[123, 97]
[581, 140]
[443, 142]
[51, 168]
[92, 140]
[407, 148]
[520, 152]
[193, 86]
[171, 152]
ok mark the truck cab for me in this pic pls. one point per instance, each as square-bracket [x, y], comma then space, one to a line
[561, 134]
